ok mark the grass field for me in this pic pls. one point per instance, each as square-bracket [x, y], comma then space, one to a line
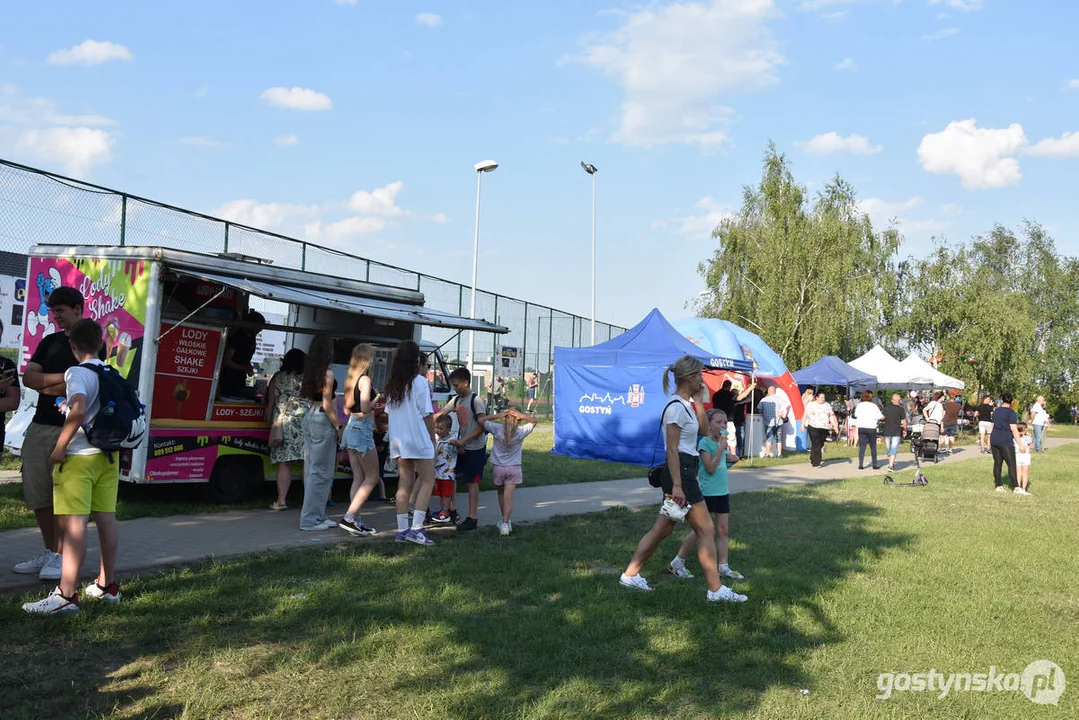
[846, 580]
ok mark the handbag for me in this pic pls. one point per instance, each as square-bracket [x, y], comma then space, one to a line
[655, 473]
[277, 435]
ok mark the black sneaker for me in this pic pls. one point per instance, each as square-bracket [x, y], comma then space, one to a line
[466, 525]
[353, 527]
[454, 517]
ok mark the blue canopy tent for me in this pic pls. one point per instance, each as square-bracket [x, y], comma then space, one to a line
[608, 397]
[830, 370]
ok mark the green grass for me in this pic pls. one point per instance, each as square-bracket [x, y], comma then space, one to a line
[846, 580]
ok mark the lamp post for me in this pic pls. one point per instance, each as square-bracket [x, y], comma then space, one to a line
[591, 170]
[481, 168]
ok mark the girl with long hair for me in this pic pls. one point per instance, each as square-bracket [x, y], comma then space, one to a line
[506, 457]
[285, 407]
[682, 419]
[412, 439]
[359, 437]
[320, 434]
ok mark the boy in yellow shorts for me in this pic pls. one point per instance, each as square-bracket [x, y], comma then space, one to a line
[84, 481]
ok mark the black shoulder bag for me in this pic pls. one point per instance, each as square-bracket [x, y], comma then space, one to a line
[655, 473]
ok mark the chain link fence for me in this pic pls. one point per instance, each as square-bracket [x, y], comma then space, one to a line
[39, 207]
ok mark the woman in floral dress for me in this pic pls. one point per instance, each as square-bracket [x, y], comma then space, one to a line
[284, 405]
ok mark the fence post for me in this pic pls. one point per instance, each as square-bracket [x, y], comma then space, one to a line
[550, 362]
[367, 271]
[524, 353]
[460, 312]
[494, 346]
[303, 256]
[123, 220]
[226, 236]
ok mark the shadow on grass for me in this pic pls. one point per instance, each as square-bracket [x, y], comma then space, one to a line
[531, 625]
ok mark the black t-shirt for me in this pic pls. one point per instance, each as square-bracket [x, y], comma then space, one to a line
[1003, 418]
[724, 400]
[234, 382]
[5, 366]
[985, 413]
[54, 355]
[894, 415]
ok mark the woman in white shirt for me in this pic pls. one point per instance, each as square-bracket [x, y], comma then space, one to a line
[866, 417]
[683, 416]
[412, 439]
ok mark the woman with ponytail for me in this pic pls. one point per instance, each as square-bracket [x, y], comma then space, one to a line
[358, 438]
[506, 457]
[682, 420]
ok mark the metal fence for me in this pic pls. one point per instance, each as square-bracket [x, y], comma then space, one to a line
[39, 207]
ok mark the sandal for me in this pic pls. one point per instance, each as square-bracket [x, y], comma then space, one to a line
[276, 506]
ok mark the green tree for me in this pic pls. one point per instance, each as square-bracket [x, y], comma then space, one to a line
[810, 279]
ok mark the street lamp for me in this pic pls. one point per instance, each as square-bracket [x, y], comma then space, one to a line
[481, 168]
[591, 170]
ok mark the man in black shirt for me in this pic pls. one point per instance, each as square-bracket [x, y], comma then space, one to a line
[236, 364]
[985, 423]
[45, 373]
[895, 423]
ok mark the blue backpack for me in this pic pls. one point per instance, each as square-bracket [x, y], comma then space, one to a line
[120, 422]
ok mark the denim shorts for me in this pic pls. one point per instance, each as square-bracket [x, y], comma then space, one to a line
[359, 435]
[893, 445]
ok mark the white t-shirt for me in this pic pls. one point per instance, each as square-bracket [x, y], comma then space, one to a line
[682, 414]
[503, 453]
[866, 416]
[1038, 415]
[934, 412]
[83, 381]
[409, 437]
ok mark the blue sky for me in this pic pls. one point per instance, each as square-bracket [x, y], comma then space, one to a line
[356, 124]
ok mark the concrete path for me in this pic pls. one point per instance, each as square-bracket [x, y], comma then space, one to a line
[153, 543]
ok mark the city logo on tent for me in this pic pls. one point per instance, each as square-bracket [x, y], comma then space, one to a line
[634, 397]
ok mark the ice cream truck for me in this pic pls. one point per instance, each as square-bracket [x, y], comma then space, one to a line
[167, 316]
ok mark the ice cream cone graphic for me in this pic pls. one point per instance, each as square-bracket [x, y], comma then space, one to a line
[180, 393]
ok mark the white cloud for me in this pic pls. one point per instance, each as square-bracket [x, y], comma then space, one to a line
[1073, 84]
[429, 19]
[335, 222]
[675, 61]
[203, 142]
[835, 15]
[381, 201]
[77, 149]
[940, 34]
[964, 5]
[821, 4]
[981, 157]
[832, 143]
[1066, 146]
[346, 2]
[286, 140]
[885, 214]
[90, 52]
[702, 224]
[33, 128]
[845, 64]
[951, 210]
[297, 98]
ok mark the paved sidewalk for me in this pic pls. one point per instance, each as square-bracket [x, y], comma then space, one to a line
[153, 543]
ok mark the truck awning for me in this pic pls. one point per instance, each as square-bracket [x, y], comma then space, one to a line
[384, 309]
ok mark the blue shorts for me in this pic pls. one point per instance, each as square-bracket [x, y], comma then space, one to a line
[531, 393]
[359, 435]
[470, 465]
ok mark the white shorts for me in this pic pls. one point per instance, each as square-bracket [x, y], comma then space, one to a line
[1022, 459]
[984, 428]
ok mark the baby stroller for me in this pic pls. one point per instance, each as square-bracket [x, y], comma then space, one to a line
[925, 440]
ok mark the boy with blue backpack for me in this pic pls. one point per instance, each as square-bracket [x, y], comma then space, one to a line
[101, 415]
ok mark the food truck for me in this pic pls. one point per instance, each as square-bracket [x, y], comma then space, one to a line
[167, 315]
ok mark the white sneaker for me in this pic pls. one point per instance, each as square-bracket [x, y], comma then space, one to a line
[725, 594]
[1021, 491]
[110, 594]
[324, 525]
[53, 604]
[731, 574]
[677, 567]
[634, 583]
[1000, 488]
[504, 528]
[52, 569]
[34, 564]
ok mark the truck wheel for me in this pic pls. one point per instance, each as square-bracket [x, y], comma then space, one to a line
[233, 479]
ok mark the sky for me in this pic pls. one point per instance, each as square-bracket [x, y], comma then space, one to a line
[356, 123]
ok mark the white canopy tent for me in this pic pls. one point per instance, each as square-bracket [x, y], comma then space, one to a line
[890, 373]
[916, 366]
